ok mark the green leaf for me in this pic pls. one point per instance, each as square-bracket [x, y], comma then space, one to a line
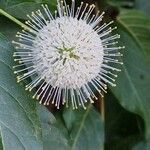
[19, 123]
[77, 130]
[123, 129]
[24, 7]
[54, 132]
[133, 83]
[85, 128]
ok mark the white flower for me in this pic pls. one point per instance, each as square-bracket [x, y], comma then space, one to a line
[67, 55]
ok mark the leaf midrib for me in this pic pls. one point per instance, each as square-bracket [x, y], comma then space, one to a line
[12, 133]
[19, 105]
[125, 69]
[15, 98]
[80, 127]
[133, 35]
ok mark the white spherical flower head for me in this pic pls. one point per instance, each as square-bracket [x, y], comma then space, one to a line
[71, 53]
[67, 55]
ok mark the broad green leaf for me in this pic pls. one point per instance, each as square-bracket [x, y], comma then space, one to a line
[18, 119]
[54, 132]
[133, 83]
[21, 8]
[85, 129]
[77, 130]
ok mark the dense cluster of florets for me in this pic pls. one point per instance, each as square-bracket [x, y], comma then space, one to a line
[68, 55]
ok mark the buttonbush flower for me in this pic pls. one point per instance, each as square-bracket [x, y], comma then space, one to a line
[67, 55]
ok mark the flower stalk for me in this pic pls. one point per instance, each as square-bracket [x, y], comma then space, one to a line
[16, 21]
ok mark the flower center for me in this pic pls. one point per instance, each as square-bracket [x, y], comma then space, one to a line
[67, 53]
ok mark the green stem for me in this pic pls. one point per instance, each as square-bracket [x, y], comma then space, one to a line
[103, 110]
[16, 21]
[103, 116]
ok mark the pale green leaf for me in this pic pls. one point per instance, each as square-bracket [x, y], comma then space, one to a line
[77, 130]
[18, 119]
